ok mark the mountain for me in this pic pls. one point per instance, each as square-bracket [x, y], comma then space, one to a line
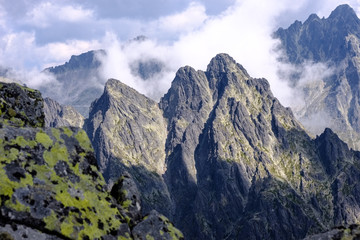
[57, 115]
[50, 185]
[78, 81]
[330, 100]
[228, 160]
[128, 132]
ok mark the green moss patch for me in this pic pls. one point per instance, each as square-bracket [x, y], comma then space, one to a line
[86, 209]
[44, 139]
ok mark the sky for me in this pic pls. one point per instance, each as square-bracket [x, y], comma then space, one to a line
[35, 34]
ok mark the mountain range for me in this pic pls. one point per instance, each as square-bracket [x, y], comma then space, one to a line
[218, 155]
[331, 100]
[222, 158]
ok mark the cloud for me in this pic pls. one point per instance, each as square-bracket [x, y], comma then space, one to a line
[192, 18]
[44, 14]
[121, 56]
[236, 31]
[304, 80]
[20, 51]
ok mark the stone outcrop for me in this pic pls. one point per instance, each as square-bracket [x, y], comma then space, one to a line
[351, 232]
[20, 106]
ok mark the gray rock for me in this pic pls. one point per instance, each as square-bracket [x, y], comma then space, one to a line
[156, 226]
[20, 232]
[128, 133]
[128, 196]
[349, 232]
[57, 115]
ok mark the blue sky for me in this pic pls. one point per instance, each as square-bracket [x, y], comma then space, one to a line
[35, 34]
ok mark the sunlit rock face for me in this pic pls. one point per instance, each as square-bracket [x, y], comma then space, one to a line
[228, 160]
[128, 131]
[329, 49]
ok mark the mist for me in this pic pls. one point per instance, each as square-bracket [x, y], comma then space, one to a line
[244, 31]
[236, 32]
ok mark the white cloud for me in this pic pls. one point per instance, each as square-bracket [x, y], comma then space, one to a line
[188, 20]
[20, 51]
[120, 56]
[238, 31]
[58, 52]
[44, 14]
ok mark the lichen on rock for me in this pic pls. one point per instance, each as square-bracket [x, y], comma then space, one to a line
[55, 185]
[20, 106]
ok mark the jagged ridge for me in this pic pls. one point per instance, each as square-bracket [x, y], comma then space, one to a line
[237, 163]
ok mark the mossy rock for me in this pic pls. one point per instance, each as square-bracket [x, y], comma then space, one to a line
[20, 106]
[156, 226]
[49, 180]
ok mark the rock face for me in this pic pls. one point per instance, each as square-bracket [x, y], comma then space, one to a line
[57, 115]
[330, 100]
[50, 186]
[79, 81]
[230, 160]
[128, 132]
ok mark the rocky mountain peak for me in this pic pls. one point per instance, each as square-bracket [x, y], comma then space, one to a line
[312, 17]
[345, 13]
[57, 115]
[331, 42]
[320, 39]
[50, 186]
[223, 63]
[83, 61]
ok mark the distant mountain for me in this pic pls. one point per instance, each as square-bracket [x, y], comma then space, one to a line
[79, 81]
[224, 159]
[333, 100]
[321, 40]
